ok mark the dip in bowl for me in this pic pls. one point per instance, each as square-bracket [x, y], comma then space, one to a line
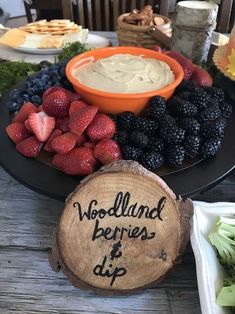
[117, 79]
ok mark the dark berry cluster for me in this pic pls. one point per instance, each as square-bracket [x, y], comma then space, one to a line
[190, 124]
[48, 75]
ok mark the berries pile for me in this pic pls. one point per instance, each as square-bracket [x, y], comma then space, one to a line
[190, 124]
[77, 134]
[35, 85]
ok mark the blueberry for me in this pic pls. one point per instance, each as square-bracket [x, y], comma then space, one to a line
[30, 91]
[54, 80]
[14, 94]
[36, 100]
[54, 73]
[36, 81]
[25, 97]
[58, 84]
[62, 71]
[62, 63]
[13, 106]
[35, 89]
[45, 78]
[48, 85]
[44, 64]
[43, 72]
[54, 67]
[19, 100]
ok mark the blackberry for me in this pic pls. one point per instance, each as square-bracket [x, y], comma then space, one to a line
[145, 125]
[191, 145]
[186, 85]
[121, 137]
[125, 120]
[152, 161]
[226, 109]
[175, 155]
[190, 125]
[155, 145]
[210, 147]
[167, 120]
[215, 92]
[210, 113]
[200, 99]
[184, 108]
[213, 129]
[131, 153]
[184, 95]
[157, 107]
[174, 135]
[139, 139]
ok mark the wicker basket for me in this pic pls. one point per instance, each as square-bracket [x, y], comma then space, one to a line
[135, 35]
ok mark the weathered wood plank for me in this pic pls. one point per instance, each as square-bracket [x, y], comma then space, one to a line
[28, 285]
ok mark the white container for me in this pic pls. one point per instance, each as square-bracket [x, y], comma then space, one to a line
[210, 273]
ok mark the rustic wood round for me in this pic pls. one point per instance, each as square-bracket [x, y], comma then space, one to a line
[121, 230]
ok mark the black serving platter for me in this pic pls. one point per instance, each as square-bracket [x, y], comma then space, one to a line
[188, 180]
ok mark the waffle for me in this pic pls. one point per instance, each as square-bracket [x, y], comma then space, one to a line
[53, 27]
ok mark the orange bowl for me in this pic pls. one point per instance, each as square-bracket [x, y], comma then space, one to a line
[117, 102]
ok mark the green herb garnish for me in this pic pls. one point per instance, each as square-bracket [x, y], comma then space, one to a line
[71, 50]
[13, 72]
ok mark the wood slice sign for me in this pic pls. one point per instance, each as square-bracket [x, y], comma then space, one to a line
[121, 230]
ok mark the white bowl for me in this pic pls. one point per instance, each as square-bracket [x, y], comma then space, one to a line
[210, 273]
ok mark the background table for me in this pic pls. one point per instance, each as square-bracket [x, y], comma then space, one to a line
[28, 285]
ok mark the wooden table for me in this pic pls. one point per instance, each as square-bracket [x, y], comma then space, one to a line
[28, 285]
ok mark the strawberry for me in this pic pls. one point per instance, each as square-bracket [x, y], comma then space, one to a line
[80, 120]
[57, 103]
[47, 147]
[30, 147]
[107, 151]
[24, 112]
[49, 91]
[41, 124]
[62, 124]
[74, 97]
[157, 48]
[17, 132]
[28, 127]
[186, 64]
[89, 145]
[80, 161]
[80, 140]
[101, 127]
[64, 143]
[77, 106]
[201, 77]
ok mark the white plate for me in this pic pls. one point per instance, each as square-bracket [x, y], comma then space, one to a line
[210, 273]
[93, 41]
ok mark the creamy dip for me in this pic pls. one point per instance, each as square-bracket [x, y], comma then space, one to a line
[125, 73]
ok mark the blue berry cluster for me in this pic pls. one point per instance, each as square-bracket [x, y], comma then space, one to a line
[35, 85]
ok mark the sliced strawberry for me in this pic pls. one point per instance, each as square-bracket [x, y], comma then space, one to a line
[80, 140]
[101, 127]
[80, 120]
[28, 127]
[24, 112]
[30, 147]
[201, 77]
[107, 151]
[64, 143]
[17, 132]
[89, 145]
[186, 64]
[42, 125]
[80, 161]
[77, 106]
[47, 147]
[62, 124]
[57, 103]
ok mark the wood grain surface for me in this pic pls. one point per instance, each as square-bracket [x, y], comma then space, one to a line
[28, 285]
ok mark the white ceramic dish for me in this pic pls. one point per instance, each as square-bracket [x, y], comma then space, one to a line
[210, 273]
[93, 41]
